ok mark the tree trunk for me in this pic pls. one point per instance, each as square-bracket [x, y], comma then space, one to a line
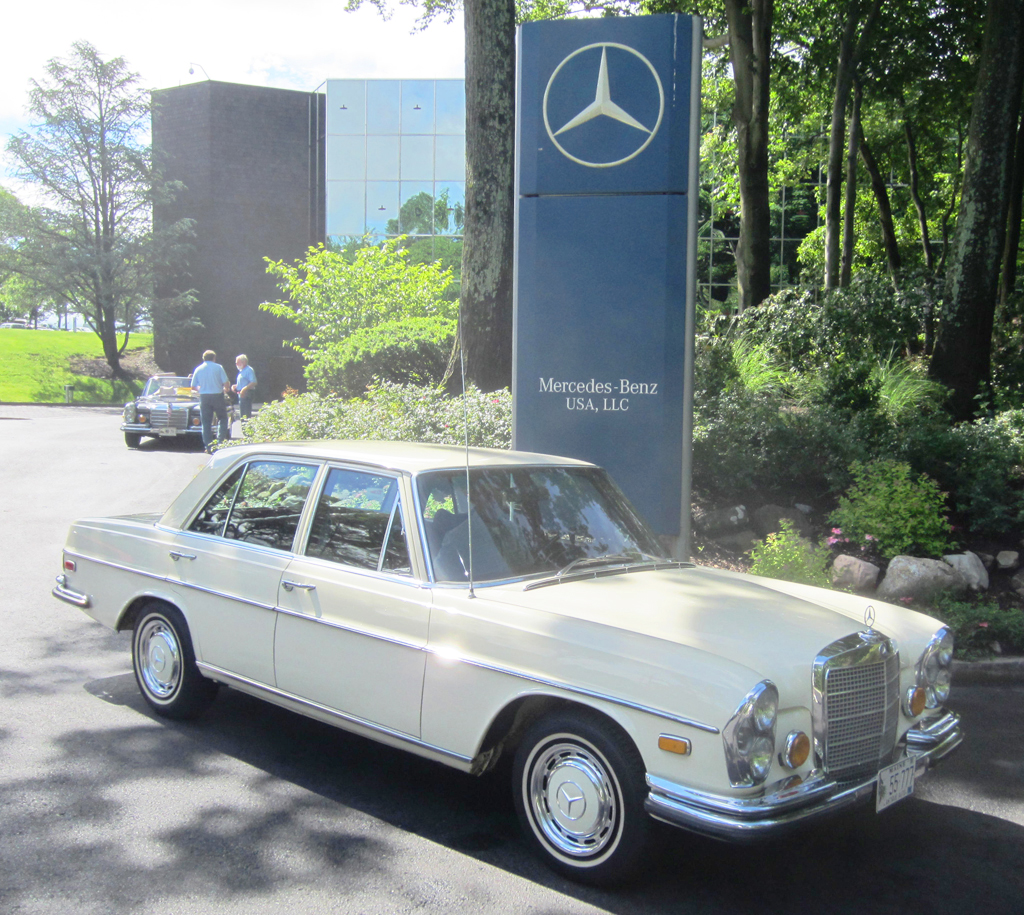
[851, 50]
[915, 194]
[750, 31]
[850, 204]
[1008, 275]
[963, 347]
[487, 253]
[881, 192]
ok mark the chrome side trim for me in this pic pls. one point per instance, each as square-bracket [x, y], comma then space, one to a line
[64, 593]
[333, 624]
[582, 691]
[275, 695]
[170, 581]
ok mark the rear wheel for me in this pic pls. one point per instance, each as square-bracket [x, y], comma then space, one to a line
[579, 792]
[165, 664]
[132, 439]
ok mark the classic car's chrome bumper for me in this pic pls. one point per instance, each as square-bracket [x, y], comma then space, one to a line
[146, 429]
[791, 800]
[67, 594]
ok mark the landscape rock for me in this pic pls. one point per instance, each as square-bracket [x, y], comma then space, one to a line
[987, 560]
[1017, 583]
[919, 579]
[738, 542]
[1007, 560]
[768, 520]
[970, 566]
[852, 574]
[723, 519]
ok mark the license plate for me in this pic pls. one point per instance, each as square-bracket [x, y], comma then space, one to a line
[171, 431]
[895, 782]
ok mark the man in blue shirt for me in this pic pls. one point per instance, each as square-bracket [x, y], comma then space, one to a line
[245, 386]
[211, 381]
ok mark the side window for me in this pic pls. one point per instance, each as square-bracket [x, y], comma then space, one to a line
[269, 503]
[356, 512]
[215, 512]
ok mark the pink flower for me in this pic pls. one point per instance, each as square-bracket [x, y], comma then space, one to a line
[983, 625]
[906, 600]
[870, 537]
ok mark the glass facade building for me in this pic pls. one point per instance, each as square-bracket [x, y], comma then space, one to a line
[395, 158]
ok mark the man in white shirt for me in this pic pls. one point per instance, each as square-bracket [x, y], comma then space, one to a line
[211, 381]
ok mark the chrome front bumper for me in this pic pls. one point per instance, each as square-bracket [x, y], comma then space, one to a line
[792, 800]
[143, 429]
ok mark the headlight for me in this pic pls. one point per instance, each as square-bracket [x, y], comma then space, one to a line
[935, 668]
[129, 412]
[749, 737]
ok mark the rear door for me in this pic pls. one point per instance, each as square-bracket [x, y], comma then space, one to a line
[230, 561]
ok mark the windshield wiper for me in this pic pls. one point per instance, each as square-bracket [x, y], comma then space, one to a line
[601, 560]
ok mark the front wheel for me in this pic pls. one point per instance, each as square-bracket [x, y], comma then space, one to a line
[165, 664]
[132, 439]
[579, 792]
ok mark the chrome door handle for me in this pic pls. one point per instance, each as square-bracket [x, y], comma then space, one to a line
[292, 585]
[175, 555]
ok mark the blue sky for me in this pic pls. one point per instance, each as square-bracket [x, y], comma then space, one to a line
[290, 44]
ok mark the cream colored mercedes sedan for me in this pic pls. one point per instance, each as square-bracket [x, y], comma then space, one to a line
[466, 605]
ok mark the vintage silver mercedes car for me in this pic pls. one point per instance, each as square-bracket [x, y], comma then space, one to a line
[167, 406]
[467, 605]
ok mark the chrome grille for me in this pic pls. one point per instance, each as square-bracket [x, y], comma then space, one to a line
[166, 418]
[856, 705]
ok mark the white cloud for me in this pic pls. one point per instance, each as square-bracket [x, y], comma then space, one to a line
[290, 45]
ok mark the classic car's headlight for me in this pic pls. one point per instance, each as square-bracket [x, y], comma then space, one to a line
[935, 668]
[749, 737]
[142, 418]
[129, 412]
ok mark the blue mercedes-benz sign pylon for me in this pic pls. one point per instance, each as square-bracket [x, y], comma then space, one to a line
[607, 144]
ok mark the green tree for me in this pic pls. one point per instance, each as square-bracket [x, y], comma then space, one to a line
[963, 348]
[330, 295]
[93, 246]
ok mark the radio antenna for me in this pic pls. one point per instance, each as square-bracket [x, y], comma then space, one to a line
[465, 425]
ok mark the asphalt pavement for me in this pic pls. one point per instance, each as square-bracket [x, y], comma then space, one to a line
[105, 808]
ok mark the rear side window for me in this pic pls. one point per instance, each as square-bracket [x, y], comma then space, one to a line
[260, 503]
[359, 522]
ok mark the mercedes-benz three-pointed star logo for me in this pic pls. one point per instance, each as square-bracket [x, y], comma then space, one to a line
[604, 106]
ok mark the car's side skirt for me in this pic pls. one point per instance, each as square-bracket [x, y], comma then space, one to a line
[331, 716]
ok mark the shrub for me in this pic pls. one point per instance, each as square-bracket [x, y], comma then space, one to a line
[976, 625]
[788, 556]
[902, 514]
[388, 412]
[411, 351]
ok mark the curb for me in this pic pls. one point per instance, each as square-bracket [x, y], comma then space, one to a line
[998, 672]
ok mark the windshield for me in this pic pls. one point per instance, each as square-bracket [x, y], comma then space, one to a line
[528, 521]
[169, 386]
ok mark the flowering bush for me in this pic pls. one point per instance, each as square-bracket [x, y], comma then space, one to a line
[389, 412]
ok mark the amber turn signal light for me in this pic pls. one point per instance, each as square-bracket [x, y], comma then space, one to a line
[798, 748]
[679, 745]
[917, 698]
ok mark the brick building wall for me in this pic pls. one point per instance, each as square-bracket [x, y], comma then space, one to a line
[251, 162]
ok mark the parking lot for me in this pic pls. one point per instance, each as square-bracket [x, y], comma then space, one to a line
[105, 808]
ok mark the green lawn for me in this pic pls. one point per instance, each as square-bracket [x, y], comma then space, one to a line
[34, 366]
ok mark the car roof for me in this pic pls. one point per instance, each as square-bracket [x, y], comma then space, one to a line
[407, 457]
[410, 457]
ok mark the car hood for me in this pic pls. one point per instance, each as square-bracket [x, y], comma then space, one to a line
[775, 629]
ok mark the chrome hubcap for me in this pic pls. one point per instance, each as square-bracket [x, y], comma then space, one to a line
[159, 658]
[571, 794]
